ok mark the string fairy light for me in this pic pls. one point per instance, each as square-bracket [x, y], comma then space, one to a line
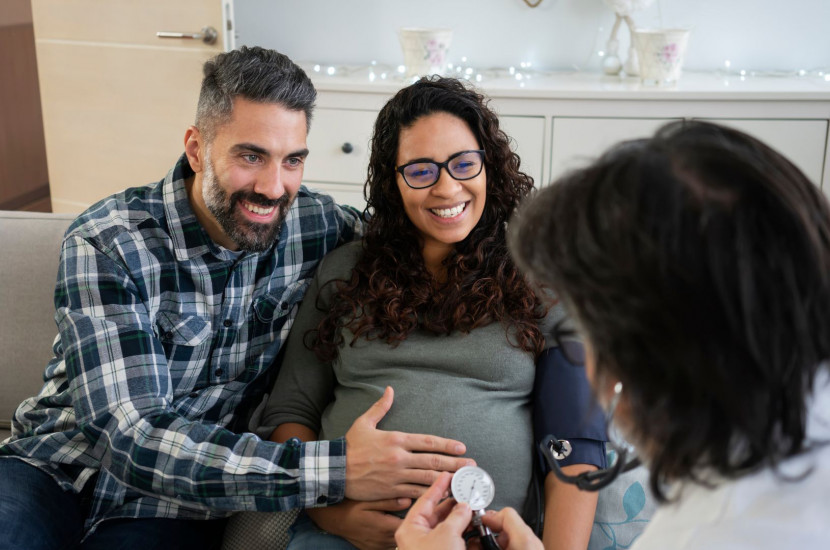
[524, 71]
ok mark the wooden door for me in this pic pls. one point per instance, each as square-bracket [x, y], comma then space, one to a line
[116, 98]
[24, 184]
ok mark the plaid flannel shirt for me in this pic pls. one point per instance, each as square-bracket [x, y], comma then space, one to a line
[165, 338]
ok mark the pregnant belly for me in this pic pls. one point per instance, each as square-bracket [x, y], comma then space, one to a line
[494, 425]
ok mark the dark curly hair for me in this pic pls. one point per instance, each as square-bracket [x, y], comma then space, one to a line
[391, 292]
[697, 263]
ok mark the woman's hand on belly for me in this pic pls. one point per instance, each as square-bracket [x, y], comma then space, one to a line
[366, 525]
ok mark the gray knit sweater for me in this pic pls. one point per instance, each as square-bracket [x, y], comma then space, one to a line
[472, 387]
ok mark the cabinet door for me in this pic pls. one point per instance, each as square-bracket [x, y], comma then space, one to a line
[343, 193]
[528, 136]
[338, 145]
[801, 141]
[338, 157]
[578, 141]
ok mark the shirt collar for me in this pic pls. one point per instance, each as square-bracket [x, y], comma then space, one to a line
[190, 240]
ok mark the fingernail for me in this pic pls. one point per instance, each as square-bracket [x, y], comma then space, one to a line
[459, 448]
[403, 501]
[471, 463]
[462, 507]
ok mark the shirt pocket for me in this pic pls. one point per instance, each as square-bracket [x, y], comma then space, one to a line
[182, 329]
[269, 322]
[269, 308]
[186, 341]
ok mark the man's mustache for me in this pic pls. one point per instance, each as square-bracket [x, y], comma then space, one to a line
[259, 199]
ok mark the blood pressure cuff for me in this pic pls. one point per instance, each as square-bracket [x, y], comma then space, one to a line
[564, 406]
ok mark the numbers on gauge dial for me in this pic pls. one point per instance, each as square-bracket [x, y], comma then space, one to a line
[474, 486]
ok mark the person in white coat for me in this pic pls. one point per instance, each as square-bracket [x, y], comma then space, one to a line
[696, 264]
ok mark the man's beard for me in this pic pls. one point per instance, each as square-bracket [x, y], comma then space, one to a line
[248, 236]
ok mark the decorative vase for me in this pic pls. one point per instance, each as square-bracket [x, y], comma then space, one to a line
[660, 53]
[424, 50]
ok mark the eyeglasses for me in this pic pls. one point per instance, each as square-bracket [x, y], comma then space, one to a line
[554, 450]
[423, 173]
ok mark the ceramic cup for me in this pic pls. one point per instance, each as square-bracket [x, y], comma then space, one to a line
[660, 53]
[424, 50]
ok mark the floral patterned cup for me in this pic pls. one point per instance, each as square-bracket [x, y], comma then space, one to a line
[425, 50]
[660, 52]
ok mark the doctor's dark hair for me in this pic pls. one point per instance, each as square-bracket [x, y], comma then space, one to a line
[255, 74]
[391, 292]
[697, 264]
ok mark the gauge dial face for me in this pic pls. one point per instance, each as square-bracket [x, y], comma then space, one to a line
[474, 486]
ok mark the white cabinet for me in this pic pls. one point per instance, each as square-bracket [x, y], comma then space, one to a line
[528, 139]
[561, 122]
[578, 141]
[338, 145]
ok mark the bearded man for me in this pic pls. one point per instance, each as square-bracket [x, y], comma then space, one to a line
[173, 301]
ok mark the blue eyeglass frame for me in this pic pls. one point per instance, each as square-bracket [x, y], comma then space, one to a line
[445, 165]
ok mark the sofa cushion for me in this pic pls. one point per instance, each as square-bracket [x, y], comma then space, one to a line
[29, 254]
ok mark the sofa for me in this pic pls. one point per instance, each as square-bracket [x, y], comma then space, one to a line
[29, 254]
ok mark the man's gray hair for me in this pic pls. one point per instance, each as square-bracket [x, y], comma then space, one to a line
[255, 74]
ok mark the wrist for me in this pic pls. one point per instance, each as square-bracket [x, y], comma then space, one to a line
[322, 468]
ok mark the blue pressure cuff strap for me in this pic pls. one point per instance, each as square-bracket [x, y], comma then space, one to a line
[585, 451]
[564, 406]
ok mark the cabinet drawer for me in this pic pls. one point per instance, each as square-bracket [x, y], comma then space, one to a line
[343, 193]
[338, 146]
[528, 133]
[801, 141]
[578, 141]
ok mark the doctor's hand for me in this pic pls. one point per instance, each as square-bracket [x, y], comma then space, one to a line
[382, 465]
[431, 523]
[514, 533]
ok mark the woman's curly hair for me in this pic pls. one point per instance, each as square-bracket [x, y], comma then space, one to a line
[391, 292]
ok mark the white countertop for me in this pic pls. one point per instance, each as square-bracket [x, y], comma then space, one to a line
[587, 85]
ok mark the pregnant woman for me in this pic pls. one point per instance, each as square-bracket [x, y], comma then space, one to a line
[429, 303]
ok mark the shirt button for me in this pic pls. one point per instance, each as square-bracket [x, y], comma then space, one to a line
[227, 322]
[168, 335]
[218, 372]
[194, 394]
[321, 499]
[284, 306]
[293, 442]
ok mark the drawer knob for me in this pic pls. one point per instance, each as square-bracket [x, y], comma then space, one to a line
[347, 148]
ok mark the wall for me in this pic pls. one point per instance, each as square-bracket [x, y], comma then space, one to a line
[23, 175]
[760, 35]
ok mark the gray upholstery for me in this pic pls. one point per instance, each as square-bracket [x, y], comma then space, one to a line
[29, 253]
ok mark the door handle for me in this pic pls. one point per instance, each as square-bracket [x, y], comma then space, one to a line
[208, 35]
